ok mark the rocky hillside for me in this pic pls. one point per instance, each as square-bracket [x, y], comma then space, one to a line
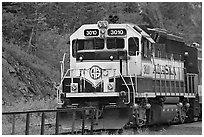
[24, 75]
[29, 76]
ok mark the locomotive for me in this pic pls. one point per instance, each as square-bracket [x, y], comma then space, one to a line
[131, 74]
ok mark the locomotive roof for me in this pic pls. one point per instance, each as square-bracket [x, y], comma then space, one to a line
[162, 32]
[134, 27]
[143, 30]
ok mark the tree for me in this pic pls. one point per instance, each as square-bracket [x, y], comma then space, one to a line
[26, 21]
[29, 19]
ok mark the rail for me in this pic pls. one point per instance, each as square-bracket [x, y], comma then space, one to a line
[56, 111]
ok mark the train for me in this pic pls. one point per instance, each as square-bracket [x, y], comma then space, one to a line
[133, 75]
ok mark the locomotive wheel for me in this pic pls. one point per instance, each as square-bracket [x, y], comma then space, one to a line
[140, 117]
[182, 116]
[141, 122]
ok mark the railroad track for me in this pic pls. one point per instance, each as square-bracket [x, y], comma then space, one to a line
[53, 127]
[12, 116]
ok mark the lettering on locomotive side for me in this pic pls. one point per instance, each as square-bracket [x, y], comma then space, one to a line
[167, 69]
[146, 69]
[161, 71]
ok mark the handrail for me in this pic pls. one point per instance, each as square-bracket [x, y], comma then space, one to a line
[114, 79]
[69, 70]
[154, 68]
[62, 78]
[189, 78]
[62, 65]
[66, 74]
[127, 88]
[59, 88]
[133, 90]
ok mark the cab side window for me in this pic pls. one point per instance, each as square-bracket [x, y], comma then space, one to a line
[146, 48]
[133, 46]
[115, 43]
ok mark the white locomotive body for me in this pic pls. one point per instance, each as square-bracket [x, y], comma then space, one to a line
[143, 72]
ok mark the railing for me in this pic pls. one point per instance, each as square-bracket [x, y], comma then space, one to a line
[167, 83]
[133, 88]
[127, 89]
[191, 83]
[62, 65]
[57, 111]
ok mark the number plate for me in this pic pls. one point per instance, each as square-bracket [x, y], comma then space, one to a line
[117, 32]
[91, 32]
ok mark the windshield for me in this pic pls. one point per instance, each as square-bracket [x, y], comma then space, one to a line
[96, 44]
[88, 44]
[115, 43]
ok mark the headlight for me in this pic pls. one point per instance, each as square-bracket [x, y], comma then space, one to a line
[103, 31]
[180, 104]
[122, 93]
[147, 106]
[102, 24]
[111, 57]
[105, 73]
[187, 105]
[110, 86]
[74, 87]
[81, 58]
[136, 106]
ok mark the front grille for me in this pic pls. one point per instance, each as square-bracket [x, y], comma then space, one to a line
[89, 88]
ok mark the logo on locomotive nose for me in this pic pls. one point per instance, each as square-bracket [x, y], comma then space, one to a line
[95, 72]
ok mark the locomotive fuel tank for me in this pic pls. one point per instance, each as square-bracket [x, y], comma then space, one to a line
[163, 114]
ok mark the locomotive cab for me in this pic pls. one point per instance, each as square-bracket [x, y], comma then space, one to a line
[101, 57]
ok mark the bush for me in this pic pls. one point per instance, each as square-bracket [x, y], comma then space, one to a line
[29, 60]
[51, 47]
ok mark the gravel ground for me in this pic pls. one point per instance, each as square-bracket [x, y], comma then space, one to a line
[185, 129]
[182, 129]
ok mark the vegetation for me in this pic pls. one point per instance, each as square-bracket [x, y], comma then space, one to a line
[30, 19]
